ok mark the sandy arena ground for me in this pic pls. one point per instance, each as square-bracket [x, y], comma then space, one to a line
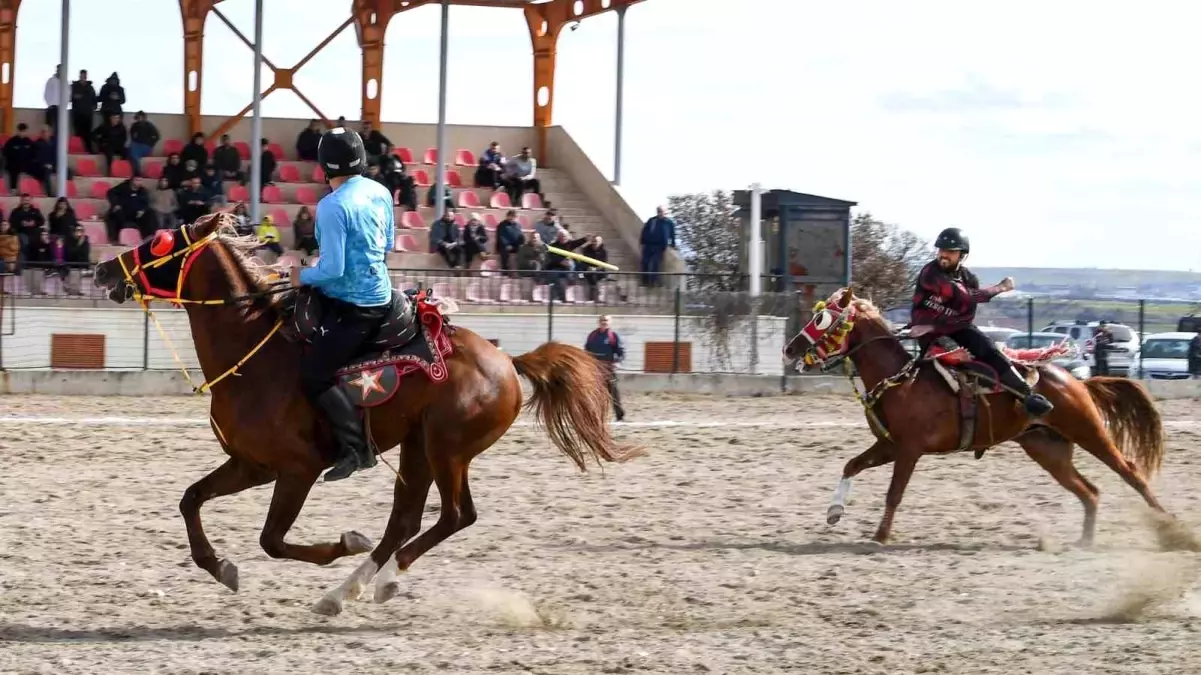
[710, 555]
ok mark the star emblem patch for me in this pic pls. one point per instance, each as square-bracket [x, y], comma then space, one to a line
[367, 382]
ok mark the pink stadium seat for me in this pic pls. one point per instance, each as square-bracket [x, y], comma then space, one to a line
[84, 210]
[421, 178]
[121, 168]
[500, 200]
[129, 236]
[75, 146]
[531, 200]
[238, 193]
[318, 174]
[489, 267]
[405, 154]
[540, 293]
[30, 186]
[72, 191]
[99, 189]
[575, 294]
[243, 149]
[281, 218]
[273, 195]
[306, 195]
[277, 150]
[460, 220]
[152, 168]
[469, 200]
[172, 146]
[97, 233]
[11, 283]
[453, 179]
[510, 293]
[86, 167]
[443, 289]
[464, 158]
[407, 243]
[490, 222]
[477, 292]
[431, 156]
[413, 221]
[289, 173]
[525, 223]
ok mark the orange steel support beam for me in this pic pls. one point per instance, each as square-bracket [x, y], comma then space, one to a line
[194, 13]
[8, 59]
[371, 19]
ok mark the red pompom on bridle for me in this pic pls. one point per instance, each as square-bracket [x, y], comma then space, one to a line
[163, 244]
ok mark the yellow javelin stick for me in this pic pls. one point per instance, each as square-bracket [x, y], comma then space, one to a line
[582, 258]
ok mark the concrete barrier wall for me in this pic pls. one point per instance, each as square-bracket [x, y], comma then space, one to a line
[168, 383]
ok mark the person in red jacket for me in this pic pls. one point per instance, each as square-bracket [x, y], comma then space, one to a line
[944, 305]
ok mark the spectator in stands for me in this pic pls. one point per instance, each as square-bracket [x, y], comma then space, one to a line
[83, 110]
[193, 201]
[112, 139]
[1194, 355]
[228, 161]
[491, 171]
[173, 171]
[268, 233]
[190, 170]
[45, 159]
[62, 218]
[531, 256]
[112, 96]
[213, 185]
[605, 346]
[431, 196]
[374, 141]
[58, 255]
[559, 269]
[307, 141]
[593, 275]
[50, 95]
[658, 235]
[164, 204]
[195, 151]
[520, 177]
[38, 253]
[243, 225]
[143, 136]
[27, 220]
[509, 239]
[447, 239]
[79, 253]
[475, 240]
[129, 206]
[10, 248]
[404, 189]
[267, 164]
[20, 156]
[305, 230]
[548, 228]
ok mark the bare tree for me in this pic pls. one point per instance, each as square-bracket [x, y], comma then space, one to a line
[708, 235]
[885, 260]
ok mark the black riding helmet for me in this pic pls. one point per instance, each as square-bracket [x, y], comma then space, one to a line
[341, 153]
[953, 239]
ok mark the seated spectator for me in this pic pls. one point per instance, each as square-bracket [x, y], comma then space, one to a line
[307, 141]
[402, 185]
[38, 253]
[447, 240]
[164, 204]
[45, 159]
[129, 206]
[112, 96]
[520, 172]
[243, 225]
[374, 141]
[431, 196]
[193, 201]
[83, 110]
[490, 173]
[593, 275]
[228, 162]
[267, 164]
[111, 138]
[173, 171]
[268, 233]
[79, 247]
[195, 151]
[58, 256]
[62, 218]
[306, 231]
[548, 228]
[475, 240]
[531, 256]
[509, 239]
[27, 220]
[143, 136]
[213, 186]
[10, 249]
[559, 269]
[20, 156]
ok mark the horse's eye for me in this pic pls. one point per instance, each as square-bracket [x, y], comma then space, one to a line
[823, 320]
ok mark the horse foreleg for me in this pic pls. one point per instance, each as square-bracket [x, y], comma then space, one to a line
[902, 471]
[878, 454]
[291, 490]
[230, 478]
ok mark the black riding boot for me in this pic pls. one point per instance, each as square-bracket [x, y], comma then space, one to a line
[1036, 404]
[348, 431]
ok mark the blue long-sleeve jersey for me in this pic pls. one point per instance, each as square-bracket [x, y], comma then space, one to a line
[356, 228]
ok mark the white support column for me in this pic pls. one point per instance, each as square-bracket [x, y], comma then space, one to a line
[755, 243]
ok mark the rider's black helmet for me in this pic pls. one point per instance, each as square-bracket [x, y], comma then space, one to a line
[341, 153]
[953, 239]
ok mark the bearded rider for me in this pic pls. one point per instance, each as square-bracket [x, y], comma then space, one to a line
[944, 305]
[355, 229]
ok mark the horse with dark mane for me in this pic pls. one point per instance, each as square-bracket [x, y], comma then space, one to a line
[249, 331]
[930, 404]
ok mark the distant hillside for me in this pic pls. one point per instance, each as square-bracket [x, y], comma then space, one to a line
[1087, 283]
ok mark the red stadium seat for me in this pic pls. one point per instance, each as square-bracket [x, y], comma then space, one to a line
[413, 221]
[152, 168]
[421, 178]
[281, 218]
[453, 179]
[289, 173]
[99, 189]
[490, 222]
[243, 149]
[72, 191]
[431, 156]
[129, 236]
[464, 158]
[525, 223]
[405, 154]
[407, 243]
[172, 146]
[277, 150]
[120, 168]
[307, 195]
[318, 174]
[30, 186]
[85, 209]
[95, 229]
[75, 146]
[273, 195]
[469, 200]
[531, 200]
[86, 167]
[238, 193]
[500, 200]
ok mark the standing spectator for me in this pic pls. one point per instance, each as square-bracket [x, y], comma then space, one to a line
[62, 219]
[267, 164]
[491, 171]
[83, 110]
[27, 220]
[195, 151]
[520, 172]
[1101, 345]
[112, 139]
[475, 240]
[307, 142]
[19, 157]
[164, 204]
[447, 239]
[112, 96]
[1194, 357]
[228, 161]
[658, 235]
[10, 248]
[51, 96]
[509, 239]
[143, 136]
[305, 230]
[604, 344]
[374, 142]
[593, 275]
[531, 256]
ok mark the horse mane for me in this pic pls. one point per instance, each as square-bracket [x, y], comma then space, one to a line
[247, 273]
[863, 307]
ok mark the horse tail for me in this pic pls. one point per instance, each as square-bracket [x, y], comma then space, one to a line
[571, 401]
[1134, 422]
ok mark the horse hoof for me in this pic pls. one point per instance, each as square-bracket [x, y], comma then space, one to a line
[327, 607]
[227, 574]
[1085, 544]
[834, 514]
[385, 592]
[356, 543]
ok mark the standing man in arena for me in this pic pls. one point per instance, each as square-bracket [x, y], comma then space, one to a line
[605, 345]
[1101, 342]
[355, 230]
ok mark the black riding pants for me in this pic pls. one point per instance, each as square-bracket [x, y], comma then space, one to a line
[981, 347]
[344, 329]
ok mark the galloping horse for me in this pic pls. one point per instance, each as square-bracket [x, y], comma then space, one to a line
[928, 404]
[243, 325]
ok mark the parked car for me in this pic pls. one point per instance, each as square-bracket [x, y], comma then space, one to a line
[1073, 362]
[998, 334]
[1123, 351]
[1165, 356]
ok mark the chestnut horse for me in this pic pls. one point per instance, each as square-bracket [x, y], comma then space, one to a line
[913, 410]
[271, 432]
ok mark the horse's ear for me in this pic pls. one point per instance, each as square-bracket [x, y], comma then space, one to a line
[206, 225]
[845, 299]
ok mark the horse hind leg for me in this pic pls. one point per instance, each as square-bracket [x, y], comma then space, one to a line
[230, 478]
[1054, 454]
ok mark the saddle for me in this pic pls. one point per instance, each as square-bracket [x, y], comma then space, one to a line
[412, 336]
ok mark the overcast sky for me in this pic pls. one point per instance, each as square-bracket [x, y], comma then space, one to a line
[1062, 133]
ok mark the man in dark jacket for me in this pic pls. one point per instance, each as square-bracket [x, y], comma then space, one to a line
[509, 238]
[593, 275]
[112, 139]
[20, 156]
[658, 235]
[229, 162]
[374, 141]
[307, 142]
[143, 136]
[944, 305]
[1102, 343]
[605, 345]
[1194, 357]
[112, 96]
[129, 206]
[83, 110]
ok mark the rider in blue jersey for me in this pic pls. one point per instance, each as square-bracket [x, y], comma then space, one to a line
[355, 230]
